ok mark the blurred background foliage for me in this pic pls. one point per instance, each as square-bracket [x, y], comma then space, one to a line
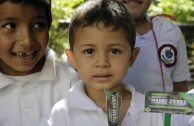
[62, 11]
[183, 10]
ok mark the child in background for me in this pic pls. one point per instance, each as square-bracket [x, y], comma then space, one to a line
[162, 62]
[31, 81]
[102, 38]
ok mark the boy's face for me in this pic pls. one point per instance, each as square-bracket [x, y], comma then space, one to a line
[23, 38]
[102, 57]
[137, 8]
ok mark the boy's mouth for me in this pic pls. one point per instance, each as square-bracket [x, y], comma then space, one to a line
[102, 76]
[22, 55]
[133, 1]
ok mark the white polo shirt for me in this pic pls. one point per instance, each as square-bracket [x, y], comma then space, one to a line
[183, 120]
[25, 100]
[145, 74]
[79, 110]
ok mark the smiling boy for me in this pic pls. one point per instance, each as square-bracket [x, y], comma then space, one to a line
[31, 81]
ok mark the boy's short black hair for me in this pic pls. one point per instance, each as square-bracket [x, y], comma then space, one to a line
[44, 4]
[111, 12]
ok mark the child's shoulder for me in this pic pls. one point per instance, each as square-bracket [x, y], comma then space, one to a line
[59, 71]
[63, 67]
[164, 27]
[52, 64]
[162, 21]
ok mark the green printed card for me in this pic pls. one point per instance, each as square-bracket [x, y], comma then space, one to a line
[113, 100]
[169, 102]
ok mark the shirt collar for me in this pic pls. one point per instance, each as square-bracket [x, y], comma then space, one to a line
[48, 71]
[79, 99]
[5, 80]
[137, 100]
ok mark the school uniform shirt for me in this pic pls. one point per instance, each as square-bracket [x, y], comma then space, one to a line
[145, 74]
[182, 120]
[25, 100]
[77, 109]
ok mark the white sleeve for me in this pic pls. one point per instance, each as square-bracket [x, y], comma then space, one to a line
[181, 71]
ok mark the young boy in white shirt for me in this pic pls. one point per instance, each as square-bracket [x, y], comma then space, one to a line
[102, 38]
[162, 62]
[31, 81]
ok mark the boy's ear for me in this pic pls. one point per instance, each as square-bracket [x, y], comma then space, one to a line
[134, 55]
[71, 58]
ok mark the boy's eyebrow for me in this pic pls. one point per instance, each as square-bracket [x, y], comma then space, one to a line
[7, 18]
[116, 44]
[86, 45]
[40, 17]
[14, 18]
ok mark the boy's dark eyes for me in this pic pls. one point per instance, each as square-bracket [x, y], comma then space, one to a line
[40, 24]
[88, 51]
[10, 25]
[115, 51]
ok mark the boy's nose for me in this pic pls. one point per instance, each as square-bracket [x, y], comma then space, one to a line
[102, 61]
[26, 38]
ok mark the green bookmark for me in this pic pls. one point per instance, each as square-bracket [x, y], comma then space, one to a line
[167, 119]
[113, 100]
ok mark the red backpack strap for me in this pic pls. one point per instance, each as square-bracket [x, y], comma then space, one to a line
[165, 15]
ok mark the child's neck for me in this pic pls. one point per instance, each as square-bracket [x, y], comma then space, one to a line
[142, 25]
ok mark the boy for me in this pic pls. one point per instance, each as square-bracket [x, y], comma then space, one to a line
[162, 62]
[31, 82]
[102, 38]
